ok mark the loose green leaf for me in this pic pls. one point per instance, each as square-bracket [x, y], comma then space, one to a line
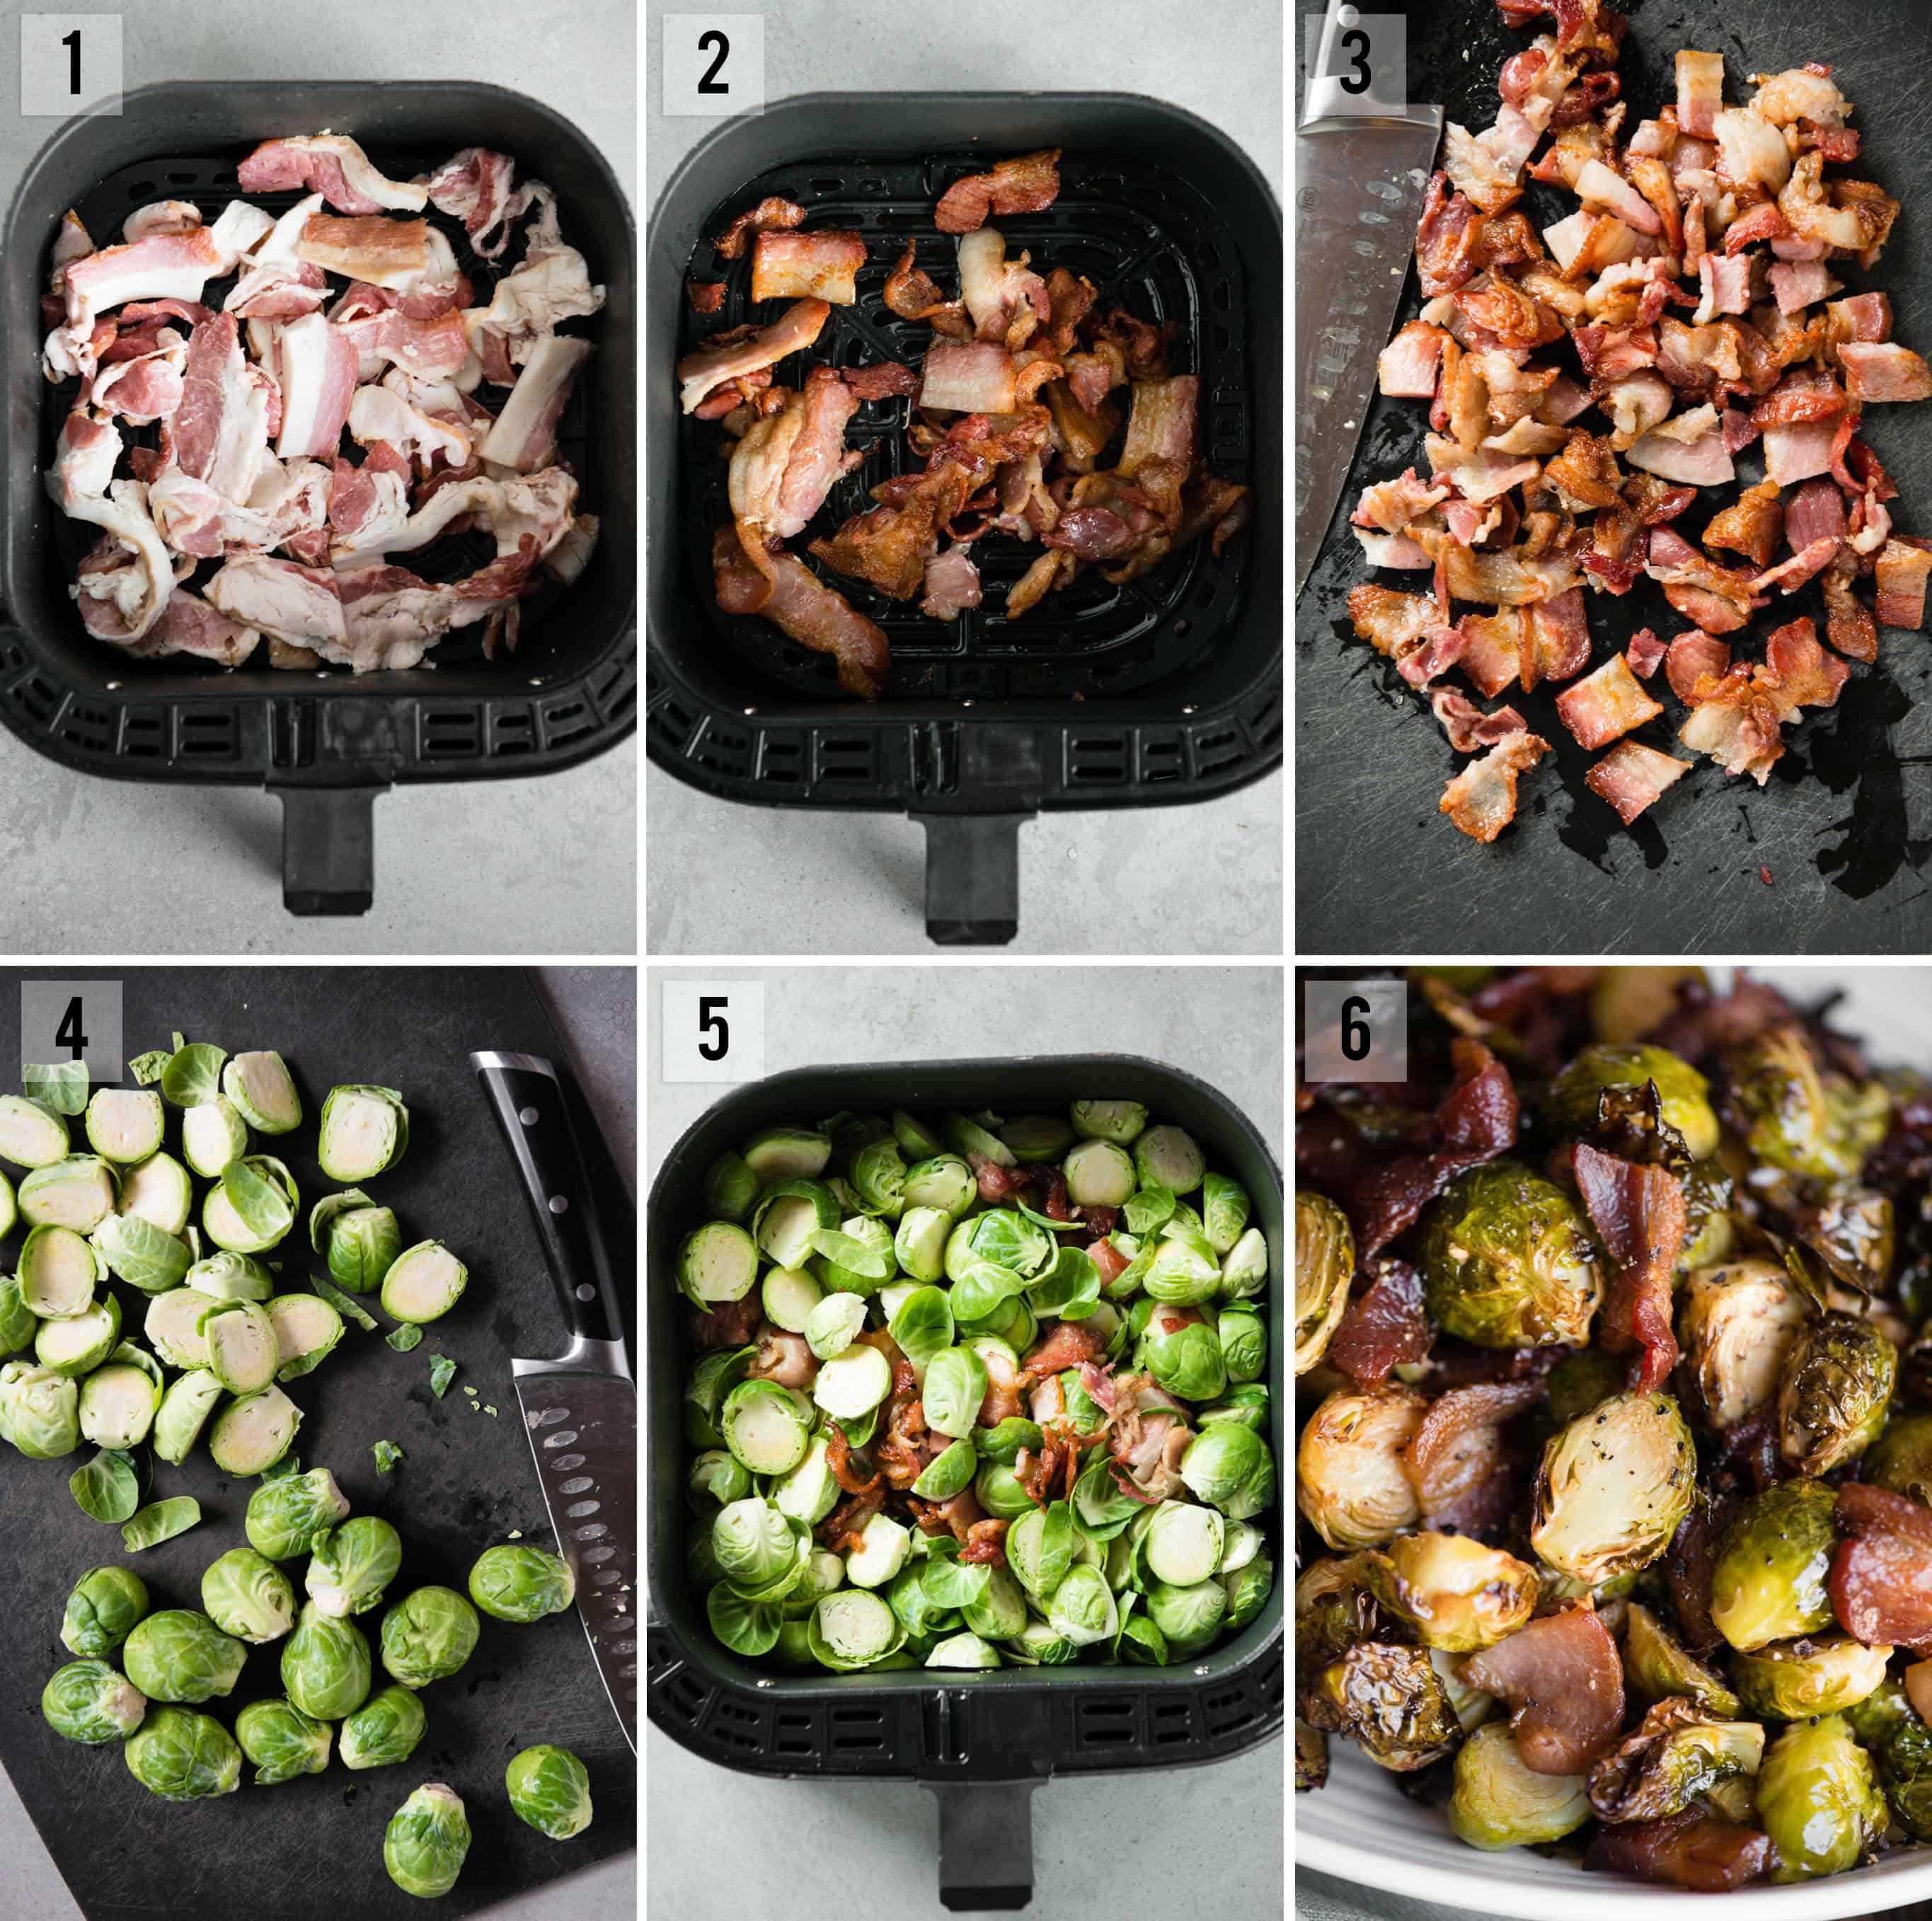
[61, 1087]
[107, 1489]
[347, 1306]
[147, 1068]
[406, 1337]
[488, 1409]
[193, 1074]
[161, 1521]
[442, 1372]
[387, 1454]
[470, 1391]
[289, 1463]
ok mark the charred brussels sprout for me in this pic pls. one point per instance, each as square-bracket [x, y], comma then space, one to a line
[1901, 1459]
[1454, 1594]
[1656, 1666]
[1684, 1093]
[428, 1836]
[1819, 1799]
[1324, 1259]
[1613, 1487]
[1795, 1116]
[87, 1701]
[1508, 1262]
[1580, 1381]
[1350, 1480]
[1767, 1582]
[1710, 1231]
[1391, 1700]
[1900, 1744]
[1679, 1753]
[550, 1791]
[1498, 1803]
[183, 1756]
[1836, 1385]
[1738, 1323]
[1790, 1680]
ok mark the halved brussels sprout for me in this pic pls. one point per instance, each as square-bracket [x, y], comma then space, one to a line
[184, 1409]
[138, 1253]
[306, 1330]
[1819, 1799]
[118, 1403]
[423, 1283]
[1508, 1261]
[426, 1841]
[1794, 1115]
[550, 1789]
[384, 1730]
[103, 1609]
[79, 1191]
[254, 1207]
[172, 1325]
[213, 1135]
[1613, 1487]
[1678, 1754]
[1791, 1679]
[349, 1566]
[77, 1343]
[1038, 1137]
[428, 1635]
[943, 1181]
[260, 1089]
[231, 1277]
[730, 1187]
[1324, 1261]
[40, 1410]
[240, 1340]
[31, 1135]
[516, 1582]
[1497, 1802]
[766, 1427]
[852, 1629]
[359, 1240]
[1889, 1727]
[253, 1431]
[1767, 1582]
[124, 1124]
[1739, 1321]
[788, 1153]
[87, 1701]
[1684, 1091]
[717, 1263]
[326, 1665]
[1351, 1481]
[246, 1595]
[1390, 1697]
[1657, 1666]
[287, 1514]
[158, 1191]
[282, 1742]
[180, 1655]
[363, 1131]
[58, 1272]
[1170, 1157]
[1118, 1121]
[1454, 1592]
[1835, 1387]
[1229, 1466]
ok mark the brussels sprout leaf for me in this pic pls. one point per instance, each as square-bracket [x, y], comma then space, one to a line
[61, 1087]
[107, 1489]
[387, 1454]
[161, 1521]
[404, 1337]
[147, 1068]
[347, 1306]
[442, 1372]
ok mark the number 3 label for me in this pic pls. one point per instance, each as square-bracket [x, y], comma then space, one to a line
[713, 64]
[713, 1030]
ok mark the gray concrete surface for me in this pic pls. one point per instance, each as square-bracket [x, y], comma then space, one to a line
[1201, 1841]
[595, 1011]
[714, 869]
[501, 867]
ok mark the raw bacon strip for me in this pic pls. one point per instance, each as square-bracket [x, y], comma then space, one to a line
[789, 266]
[1481, 799]
[384, 253]
[1605, 705]
[318, 368]
[331, 165]
[1028, 185]
[525, 434]
[1631, 776]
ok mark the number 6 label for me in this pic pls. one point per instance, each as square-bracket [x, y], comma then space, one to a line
[713, 1030]
[713, 64]
[1355, 1030]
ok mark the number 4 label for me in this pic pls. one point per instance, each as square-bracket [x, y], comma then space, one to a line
[713, 64]
[713, 1030]
[70, 1020]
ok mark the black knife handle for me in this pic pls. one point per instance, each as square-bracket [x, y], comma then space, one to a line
[527, 1097]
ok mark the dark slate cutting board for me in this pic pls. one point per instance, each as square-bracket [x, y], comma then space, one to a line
[1844, 825]
[313, 1848]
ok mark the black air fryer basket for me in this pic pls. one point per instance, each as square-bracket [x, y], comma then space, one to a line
[327, 742]
[983, 1745]
[1167, 689]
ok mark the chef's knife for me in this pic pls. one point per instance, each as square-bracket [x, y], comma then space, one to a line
[1361, 175]
[580, 1408]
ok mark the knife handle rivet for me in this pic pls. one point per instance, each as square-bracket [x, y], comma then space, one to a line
[528, 1116]
[586, 1293]
[559, 1204]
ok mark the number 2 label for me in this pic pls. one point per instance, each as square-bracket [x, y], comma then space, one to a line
[712, 64]
[712, 1030]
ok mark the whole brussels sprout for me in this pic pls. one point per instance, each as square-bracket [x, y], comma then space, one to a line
[1790, 1680]
[326, 1665]
[1183, 1354]
[282, 1741]
[358, 1239]
[427, 1838]
[87, 1701]
[428, 1635]
[550, 1789]
[384, 1730]
[1508, 1262]
[1796, 1116]
[1819, 1799]
[1836, 1385]
[350, 1566]
[1684, 1093]
[179, 1655]
[183, 1756]
[1243, 1338]
[104, 1608]
[287, 1514]
[246, 1595]
[1454, 1592]
[518, 1583]
[1498, 1803]
[1900, 1744]
[1613, 1487]
[1231, 1467]
[1350, 1478]
[1768, 1581]
[1739, 1321]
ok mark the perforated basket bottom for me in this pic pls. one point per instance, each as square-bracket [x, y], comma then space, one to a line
[1150, 244]
[210, 184]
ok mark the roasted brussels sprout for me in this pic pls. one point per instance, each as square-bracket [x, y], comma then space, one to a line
[1710, 1229]
[183, 1756]
[1613, 1487]
[384, 1730]
[1795, 1116]
[517, 1582]
[1737, 1322]
[87, 1701]
[550, 1791]
[1581, 1381]
[1325, 1260]
[1684, 1093]
[1498, 1803]
[179, 1655]
[428, 1635]
[1508, 1262]
[1768, 1581]
[1790, 1680]
[1899, 1742]
[1678, 1754]
[1819, 1798]
[1901, 1459]
[1311, 1758]
[1350, 1480]
[102, 1610]
[1657, 1667]
[427, 1838]
[1834, 1391]
[282, 1741]
[1454, 1592]
[1391, 1699]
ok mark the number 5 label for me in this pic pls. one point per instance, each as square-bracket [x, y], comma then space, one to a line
[713, 64]
[70, 1020]
[713, 1030]
[1355, 1030]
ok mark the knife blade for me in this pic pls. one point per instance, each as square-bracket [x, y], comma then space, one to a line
[1361, 177]
[579, 1408]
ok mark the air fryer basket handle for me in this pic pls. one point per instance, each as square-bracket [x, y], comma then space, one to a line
[328, 849]
[972, 878]
[985, 1845]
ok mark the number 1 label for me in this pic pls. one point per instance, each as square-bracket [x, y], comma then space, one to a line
[713, 1030]
[69, 63]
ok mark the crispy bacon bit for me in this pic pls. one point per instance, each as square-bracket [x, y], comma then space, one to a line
[1070, 1343]
[1848, 625]
[1881, 1581]
[1481, 799]
[1383, 1327]
[1028, 185]
[1692, 658]
[1903, 565]
[885, 381]
[1690, 1849]
[1631, 776]
[986, 1541]
[1409, 366]
[1564, 1682]
[729, 1326]
[838, 1458]
[1461, 1470]
[843, 1530]
[1639, 1214]
[770, 212]
[1645, 653]
[1606, 705]
[1751, 525]
[705, 296]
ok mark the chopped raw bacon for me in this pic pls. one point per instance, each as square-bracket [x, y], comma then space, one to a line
[333, 166]
[1631, 776]
[1481, 799]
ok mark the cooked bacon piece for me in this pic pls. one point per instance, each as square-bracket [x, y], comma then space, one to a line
[1718, 600]
[1631, 776]
[728, 1326]
[911, 294]
[986, 1541]
[1816, 512]
[1725, 279]
[1752, 523]
[1469, 729]
[1798, 284]
[1640, 1216]
[1456, 1458]
[1558, 642]
[1700, 92]
[1070, 1343]
[790, 266]
[1492, 647]
[770, 212]
[749, 350]
[1691, 449]
[1762, 222]
[1848, 625]
[1440, 650]
[1605, 705]
[1884, 371]
[971, 377]
[1881, 1580]
[1645, 653]
[785, 464]
[1736, 722]
[1563, 1683]
[1797, 673]
[1390, 622]
[1690, 1849]
[783, 1358]
[1903, 565]
[1383, 1327]
[1789, 575]
[1446, 239]
[1585, 472]
[1692, 657]
[1799, 452]
[838, 1458]
[1596, 186]
[1481, 799]
[1865, 316]
[952, 586]
[1485, 165]
[843, 1530]
[781, 590]
[1409, 365]
[884, 381]
[1028, 185]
